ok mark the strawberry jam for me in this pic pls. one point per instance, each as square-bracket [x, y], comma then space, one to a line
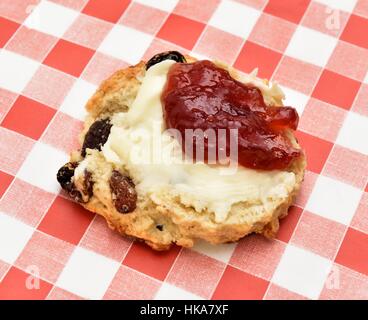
[202, 96]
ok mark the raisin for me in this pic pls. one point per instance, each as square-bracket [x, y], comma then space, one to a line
[168, 55]
[123, 191]
[76, 195]
[88, 184]
[65, 175]
[97, 135]
[160, 227]
[65, 178]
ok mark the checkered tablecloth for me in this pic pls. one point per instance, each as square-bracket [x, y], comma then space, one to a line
[53, 56]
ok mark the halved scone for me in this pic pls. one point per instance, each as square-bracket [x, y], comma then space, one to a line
[164, 201]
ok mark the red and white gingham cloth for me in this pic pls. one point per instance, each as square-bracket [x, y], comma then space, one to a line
[53, 56]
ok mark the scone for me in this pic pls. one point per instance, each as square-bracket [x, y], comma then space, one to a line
[137, 174]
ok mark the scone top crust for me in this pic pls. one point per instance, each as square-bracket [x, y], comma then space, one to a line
[162, 217]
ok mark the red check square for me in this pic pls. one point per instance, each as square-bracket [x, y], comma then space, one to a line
[49, 254]
[17, 9]
[348, 166]
[356, 31]
[219, 44]
[62, 132]
[5, 181]
[138, 14]
[258, 256]
[101, 239]
[292, 10]
[109, 10]
[153, 263]
[361, 101]
[13, 286]
[130, 284]
[317, 16]
[49, 86]
[28, 117]
[322, 119]
[61, 294]
[298, 75]
[196, 9]
[276, 292]
[353, 252]
[88, 31]
[4, 267]
[31, 43]
[272, 32]
[349, 60]
[288, 224]
[20, 147]
[66, 220]
[255, 56]
[361, 8]
[7, 28]
[7, 99]
[360, 220]
[319, 235]
[69, 57]
[181, 31]
[351, 285]
[101, 67]
[306, 189]
[35, 202]
[336, 89]
[239, 285]
[73, 4]
[258, 4]
[317, 150]
[196, 273]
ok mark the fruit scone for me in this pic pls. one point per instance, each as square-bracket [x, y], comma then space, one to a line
[176, 149]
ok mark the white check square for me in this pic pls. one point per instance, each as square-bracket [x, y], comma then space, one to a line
[346, 5]
[235, 18]
[51, 18]
[295, 99]
[221, 252]
[76, 100]
[334, 200]
[198, 56]
[166, 5]
[41, 165]
[311, 46]
[126, 44]
[14, 236]
[87, 274]
[16, 71]
[170, 292]
[302, 272]
[354, 133]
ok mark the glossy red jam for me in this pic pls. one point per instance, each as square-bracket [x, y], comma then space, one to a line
[203, 96]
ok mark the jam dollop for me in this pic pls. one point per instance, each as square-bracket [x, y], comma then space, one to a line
[203, 96]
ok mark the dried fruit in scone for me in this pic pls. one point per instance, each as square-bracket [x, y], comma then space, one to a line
[176, 150]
